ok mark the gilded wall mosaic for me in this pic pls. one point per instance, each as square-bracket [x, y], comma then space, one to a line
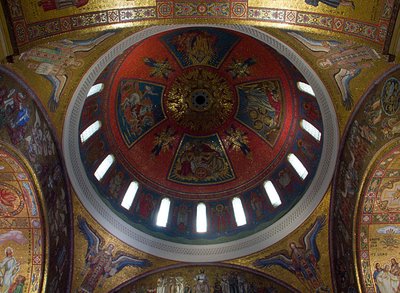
[205, 279]
[23, 125]
[374, 124]
[378, 223]
[22, 227]
[32, 20]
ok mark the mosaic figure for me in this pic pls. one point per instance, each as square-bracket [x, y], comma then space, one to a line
[332, 3]
[61, 4]
[201, 161]
[182, 217]
[53, 60]
[100, 263]
[387, 281]
[18, 285]
[239, 69]
[302, 260]
[14, 113]
[138, 109]
[220, 218]
[163, 141]
[346, 60]
[236, 139]
[159, 68]
[260, 108]
[9, 267]
[202, 285]
[197, 46]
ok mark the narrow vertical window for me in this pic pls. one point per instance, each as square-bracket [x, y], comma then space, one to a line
[298, 166]
[272, 194]
[201, 218]
[305, 87]
[238, 212]
[95, 89]
[311, 129]
[130, 195]
[103, 167]
[163, 212]
[88, 132]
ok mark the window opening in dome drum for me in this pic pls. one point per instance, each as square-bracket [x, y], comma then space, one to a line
[88, 132]
[272, 194]
[306, 88]
[130, 195]
[103, 167]
[95, 89]
[311, 129]
[201, 218]
[163, 212]
[298, 166]
[238, 211]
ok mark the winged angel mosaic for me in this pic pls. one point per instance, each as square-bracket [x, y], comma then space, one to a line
[346, 60]
[53, 60]
[302, 259]
[100, 263]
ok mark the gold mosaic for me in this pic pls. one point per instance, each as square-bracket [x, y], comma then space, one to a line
[200, 100]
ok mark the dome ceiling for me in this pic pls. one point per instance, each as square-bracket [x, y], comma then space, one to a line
[201, 115]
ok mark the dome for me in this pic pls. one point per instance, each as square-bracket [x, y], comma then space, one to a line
[195, 141]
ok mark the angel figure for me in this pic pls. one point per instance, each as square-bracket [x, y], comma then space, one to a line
[302, 259]
[53, 60]
[100, 263]
[346, 60]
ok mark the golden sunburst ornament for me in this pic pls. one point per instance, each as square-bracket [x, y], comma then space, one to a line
[200, 100]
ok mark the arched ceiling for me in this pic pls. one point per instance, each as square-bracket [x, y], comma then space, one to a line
[369, 25]
[193, 116]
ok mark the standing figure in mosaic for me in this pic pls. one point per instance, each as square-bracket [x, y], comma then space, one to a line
[100, 262]
[202, 285]
[9, 267]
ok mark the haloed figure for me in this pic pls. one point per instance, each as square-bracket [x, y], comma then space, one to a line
[9, 267]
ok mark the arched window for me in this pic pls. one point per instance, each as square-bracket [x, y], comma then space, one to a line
[130, 195]
[298, 166]
[163, 212]
[88, 132]
[311, 129]
[95, 89]
[238, 211]
[272, 194]
[103, 167]
[201, 218]
[306, 88]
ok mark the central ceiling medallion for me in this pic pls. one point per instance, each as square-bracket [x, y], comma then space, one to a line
[200, 100]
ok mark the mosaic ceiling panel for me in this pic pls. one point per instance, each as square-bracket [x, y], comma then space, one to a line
[194, 115]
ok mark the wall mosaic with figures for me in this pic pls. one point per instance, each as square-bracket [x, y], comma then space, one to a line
[207, 278]
[22, 228]
[23, 125]
[374, 125]
[379, 223]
